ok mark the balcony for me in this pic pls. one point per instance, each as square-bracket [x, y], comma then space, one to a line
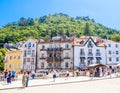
[98, 54]
[43, 49]
[90, 54]
[55, 59]
[82, 54]
[54, 49]
[42, 58]
[33, 55]
[66, 49]
[66, 57]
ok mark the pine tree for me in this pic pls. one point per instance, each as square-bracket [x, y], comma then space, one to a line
[87, 31]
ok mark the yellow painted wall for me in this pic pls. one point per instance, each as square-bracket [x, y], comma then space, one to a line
[13, 60]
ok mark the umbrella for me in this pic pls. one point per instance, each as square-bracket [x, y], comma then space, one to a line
[118, 65]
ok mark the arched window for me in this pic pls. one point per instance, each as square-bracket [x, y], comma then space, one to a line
[29, 45]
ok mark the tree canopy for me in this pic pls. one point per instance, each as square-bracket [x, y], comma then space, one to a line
[52, 25]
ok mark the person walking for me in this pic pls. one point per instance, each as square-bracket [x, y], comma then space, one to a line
[9, 78]
[33, 74]
[27, 78]
[24, 79]
[5, 75]
[13, 75]
[54, 76]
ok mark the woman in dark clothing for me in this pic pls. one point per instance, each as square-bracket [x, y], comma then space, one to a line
[9, 77]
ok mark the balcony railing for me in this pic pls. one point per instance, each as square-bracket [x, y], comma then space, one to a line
[43, 49]
[42, 57]
[98, 54]
[82, 54]
[90, 54]
[55, 49]
[66, 57]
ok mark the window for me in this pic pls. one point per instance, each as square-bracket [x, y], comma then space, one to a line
[97, 52]
[14, 57]
[117, 59]
[33, 52]
[10, 57]
[66, 46]
[25, 53]
[90, 44]
[29, 52]
[66, 54]
[19, 57]
[109, 52]
[50, 64]
[43, 47]
[116, 45]
[33, 45]
[25, 45]
[66, 65]
[109, 45]
[110, 59]
[90, 52]
[42, 65]
[117, 52]
[82, 51]
[24, 60]
[29, 45]
[10, 66]
[32, 59]
[42, 55]
[28, 59]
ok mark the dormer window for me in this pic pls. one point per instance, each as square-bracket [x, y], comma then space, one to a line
[29, 45]
[90, 44]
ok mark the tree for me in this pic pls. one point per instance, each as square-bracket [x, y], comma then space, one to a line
[87, 31]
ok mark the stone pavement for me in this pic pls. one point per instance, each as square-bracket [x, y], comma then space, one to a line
[45, 82]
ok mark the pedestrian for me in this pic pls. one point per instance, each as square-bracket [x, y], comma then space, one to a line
[24, 79]
[27, 78]
[33, 74]
[67, 75]
[54, 76]
[5, 75]
[13, 74]
[9, 78]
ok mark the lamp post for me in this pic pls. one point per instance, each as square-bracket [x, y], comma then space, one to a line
[73, 59]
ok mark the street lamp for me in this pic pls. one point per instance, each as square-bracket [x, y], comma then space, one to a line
[73, 59]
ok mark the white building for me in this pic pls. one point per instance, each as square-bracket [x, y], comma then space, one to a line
[56, 53]
[112, 52]
[88, 50]
[29, 55]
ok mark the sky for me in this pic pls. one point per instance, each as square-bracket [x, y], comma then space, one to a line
[106, 12]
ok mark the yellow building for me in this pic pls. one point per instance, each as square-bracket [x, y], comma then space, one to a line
[13, 60]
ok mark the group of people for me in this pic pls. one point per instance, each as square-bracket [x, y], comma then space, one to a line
[25, 79]
[8, 76]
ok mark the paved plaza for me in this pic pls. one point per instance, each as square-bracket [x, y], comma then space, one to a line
[95, 86]
[63, 85]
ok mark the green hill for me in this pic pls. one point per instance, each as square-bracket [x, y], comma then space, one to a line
[52, 25]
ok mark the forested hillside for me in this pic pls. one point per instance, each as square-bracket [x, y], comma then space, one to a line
[52, 25]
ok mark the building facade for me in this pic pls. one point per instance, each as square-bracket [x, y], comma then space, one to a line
[29, 55]
[56, 53]
[112, 52]
[88, 50]
[13, 60]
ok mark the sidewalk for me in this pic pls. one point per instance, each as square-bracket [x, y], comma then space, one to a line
[44, 82]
